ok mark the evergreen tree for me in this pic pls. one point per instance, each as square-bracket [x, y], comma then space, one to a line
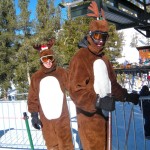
[48, 21]
[134, 40]
[114, 45]
[26, 57]
[8, 45]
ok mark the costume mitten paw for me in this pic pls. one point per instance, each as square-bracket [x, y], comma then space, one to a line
[106, 103]
[36, 123]
[132, 97]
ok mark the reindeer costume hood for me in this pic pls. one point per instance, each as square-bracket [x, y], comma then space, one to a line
[45, 49]
[99, 24]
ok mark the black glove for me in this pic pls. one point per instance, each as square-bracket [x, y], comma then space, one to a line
[36, 123]
[106, 103]
[133, 97]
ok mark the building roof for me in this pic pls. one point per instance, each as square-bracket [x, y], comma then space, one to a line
[123, 13]
[142, 47]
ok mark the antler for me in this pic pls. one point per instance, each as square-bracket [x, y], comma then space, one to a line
[49, 44]
[102, 13]
[93, 7]
[37, 47]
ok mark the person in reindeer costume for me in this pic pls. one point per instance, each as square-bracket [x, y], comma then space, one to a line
[93, 85]
[47, 99]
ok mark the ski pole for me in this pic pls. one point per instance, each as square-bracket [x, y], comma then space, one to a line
[109, 132]
[28, 130]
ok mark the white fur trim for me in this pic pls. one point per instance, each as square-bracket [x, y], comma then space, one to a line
[102, 84]
[51, 97]
[44, 48]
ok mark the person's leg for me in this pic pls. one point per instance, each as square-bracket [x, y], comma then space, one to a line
[49, 135]
[53, 148]
[146, 116]
[63, 131]
[92, 132]
[147, 126]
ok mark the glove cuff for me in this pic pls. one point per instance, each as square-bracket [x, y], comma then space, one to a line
[126, 97]
[34, 114]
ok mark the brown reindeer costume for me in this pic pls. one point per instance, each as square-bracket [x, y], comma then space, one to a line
[93, 84]
[47, 98]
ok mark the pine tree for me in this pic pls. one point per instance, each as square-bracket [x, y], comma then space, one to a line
[114, 45]
[48, 21]
[26, 58]
[134, 40]
[8, 45]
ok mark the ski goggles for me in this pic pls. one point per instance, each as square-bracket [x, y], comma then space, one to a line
[44, 59]
[98, 35]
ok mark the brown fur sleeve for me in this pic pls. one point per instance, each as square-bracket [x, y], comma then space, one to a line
[80, 88]
[33, 100]
[64, 75]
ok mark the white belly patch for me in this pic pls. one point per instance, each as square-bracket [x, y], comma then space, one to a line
[102, 84]
[51, 97]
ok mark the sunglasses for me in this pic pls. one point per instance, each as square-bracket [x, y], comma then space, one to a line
[44, 59]
[98, 35]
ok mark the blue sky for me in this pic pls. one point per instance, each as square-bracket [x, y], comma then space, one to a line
[32, 8]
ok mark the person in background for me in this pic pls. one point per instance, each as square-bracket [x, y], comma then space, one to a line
[146, 110]
[148, 79]
[47, 101]
[93, 85]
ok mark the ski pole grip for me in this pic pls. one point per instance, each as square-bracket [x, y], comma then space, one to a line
[25, 116]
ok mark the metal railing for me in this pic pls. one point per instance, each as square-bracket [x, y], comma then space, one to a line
[13, 132]
[128, 128]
